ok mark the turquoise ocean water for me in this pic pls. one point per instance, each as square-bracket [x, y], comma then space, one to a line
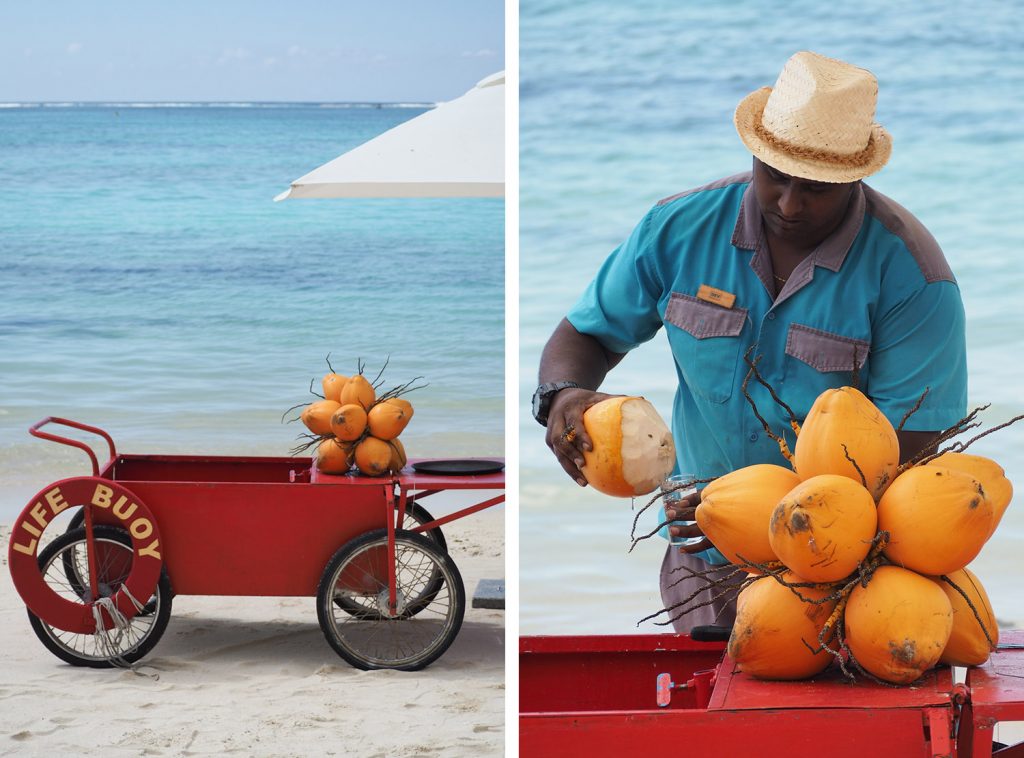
[150, 286]
[623, 104]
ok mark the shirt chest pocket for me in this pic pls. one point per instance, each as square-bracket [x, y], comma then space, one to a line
[706, 344]
[820, 360]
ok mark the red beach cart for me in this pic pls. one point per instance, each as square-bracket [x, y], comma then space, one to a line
[149, 527]
[633, 694]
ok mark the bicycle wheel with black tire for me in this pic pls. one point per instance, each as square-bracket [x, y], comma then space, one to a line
[362, 606]
[72, 571]
[66, 557]
[401, 640]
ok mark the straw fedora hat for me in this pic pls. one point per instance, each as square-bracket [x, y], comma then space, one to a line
[818, 121]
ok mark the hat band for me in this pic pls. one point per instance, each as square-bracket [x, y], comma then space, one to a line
[858, 159]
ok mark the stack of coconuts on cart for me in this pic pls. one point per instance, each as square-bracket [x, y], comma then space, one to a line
[847, 556]
[354, 427]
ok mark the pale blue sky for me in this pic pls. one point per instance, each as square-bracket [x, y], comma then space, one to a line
[229, 50]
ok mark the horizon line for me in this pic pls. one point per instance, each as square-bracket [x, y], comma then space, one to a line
[108, 102]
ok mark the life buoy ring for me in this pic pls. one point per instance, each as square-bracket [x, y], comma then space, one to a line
[118, 506]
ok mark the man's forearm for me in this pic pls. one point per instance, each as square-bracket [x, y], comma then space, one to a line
[570, 355]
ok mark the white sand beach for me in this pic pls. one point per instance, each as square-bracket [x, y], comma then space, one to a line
[255, 677]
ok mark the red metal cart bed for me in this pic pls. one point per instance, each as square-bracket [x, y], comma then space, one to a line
[629, 695]
[150, 527]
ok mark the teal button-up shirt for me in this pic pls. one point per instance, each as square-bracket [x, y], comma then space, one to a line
[876, 294]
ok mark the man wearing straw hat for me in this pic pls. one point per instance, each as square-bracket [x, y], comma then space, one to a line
[826, 278]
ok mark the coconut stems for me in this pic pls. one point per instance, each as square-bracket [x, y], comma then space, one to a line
[377, 381]
[783, 447]
[733, 580]
[932, 451]
[863, 480]
[967, 422]
[666, 489]
[793, 423]
[912, 411]
[400, 390]
[959, 447]
[312, 440]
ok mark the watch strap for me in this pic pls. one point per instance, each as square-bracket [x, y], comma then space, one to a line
[543, 396]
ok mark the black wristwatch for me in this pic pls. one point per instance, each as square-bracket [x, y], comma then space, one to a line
[544, 395]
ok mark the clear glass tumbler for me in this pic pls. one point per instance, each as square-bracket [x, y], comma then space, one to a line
[675, 495]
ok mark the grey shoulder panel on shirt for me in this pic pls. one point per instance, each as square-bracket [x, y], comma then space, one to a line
[743, 178]
[918, 240]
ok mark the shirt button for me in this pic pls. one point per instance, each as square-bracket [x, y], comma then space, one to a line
[753, 437]
[771, 316]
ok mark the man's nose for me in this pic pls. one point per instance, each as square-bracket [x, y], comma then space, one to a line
[790, 202]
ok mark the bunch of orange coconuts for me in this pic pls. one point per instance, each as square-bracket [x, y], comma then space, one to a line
[356, 428]
[848, 554]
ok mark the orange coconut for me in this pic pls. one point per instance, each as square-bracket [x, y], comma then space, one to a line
[998, 488]
[373, 456]
[333, 457]
[398, 457]
[776, 632]
[348, 422]
[845, 417]
[332, 384]
[937, 518]
[317, 416]
[735, 510]
[823, 528]
[632, 450]
[358, 390]
[402, 403]
[898, 625]
[387, 419]
[968, 645]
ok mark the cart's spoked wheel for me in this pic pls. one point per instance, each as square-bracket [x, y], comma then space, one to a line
[366, 606]
[64, 566]
[78, 580]
[416, 634]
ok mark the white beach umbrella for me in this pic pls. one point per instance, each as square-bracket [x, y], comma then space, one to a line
[455, 150]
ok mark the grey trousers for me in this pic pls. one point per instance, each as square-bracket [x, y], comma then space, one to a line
[677, 585]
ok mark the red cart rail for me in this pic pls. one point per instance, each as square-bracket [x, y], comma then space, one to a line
[149, 527]
[627, 695]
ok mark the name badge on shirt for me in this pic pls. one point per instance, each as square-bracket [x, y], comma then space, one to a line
[716, 296]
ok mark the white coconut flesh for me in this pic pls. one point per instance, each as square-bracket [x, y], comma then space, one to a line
[648, 452]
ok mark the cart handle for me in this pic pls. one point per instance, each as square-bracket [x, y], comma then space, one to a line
[34, 431]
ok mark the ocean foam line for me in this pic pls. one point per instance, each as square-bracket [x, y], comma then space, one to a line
[376, 105]
[171, 104]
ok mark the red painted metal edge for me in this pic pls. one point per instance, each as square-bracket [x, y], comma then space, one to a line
[412, 480]
[738, 691]
[389, 506]
[613, 643]
[939, 722]
[996, 694]
[459, 514]
[852, 733]
[34, 431]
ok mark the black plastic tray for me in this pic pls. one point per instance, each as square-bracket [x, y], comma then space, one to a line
[458, 466]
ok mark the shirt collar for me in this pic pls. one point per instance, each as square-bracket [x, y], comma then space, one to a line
[830, 253]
